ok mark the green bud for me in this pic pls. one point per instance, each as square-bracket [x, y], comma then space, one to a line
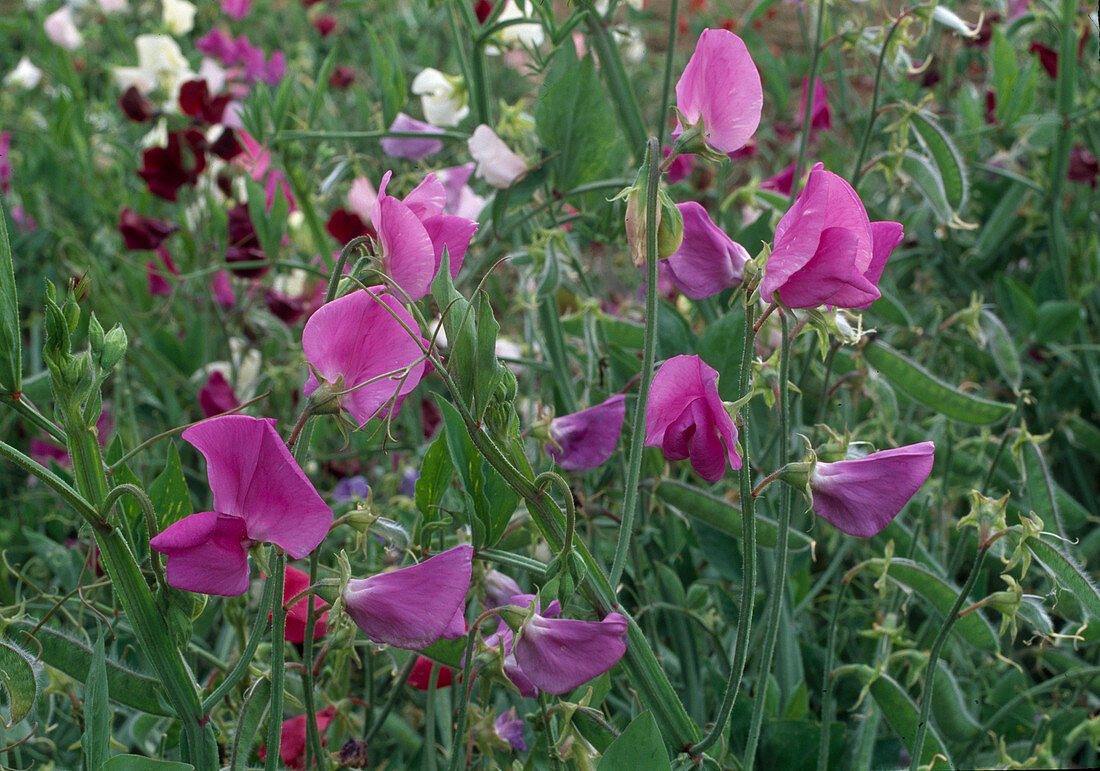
[326, 400]
[95, 336]
[986, 514]
[114, 348]
[75, 372]
[670, 226]
[72, 310]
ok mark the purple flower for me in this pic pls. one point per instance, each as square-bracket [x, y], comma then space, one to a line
[826, 251]
[509, 727]
[413, 149]
[260, 496]
[361, 337]
[350, 488]
[499, 589]
[720, 92]
[686, 419]
[708, 260]
[236, 9]
[863, 496]
[587, 438]
[413, 607]
[558, 654]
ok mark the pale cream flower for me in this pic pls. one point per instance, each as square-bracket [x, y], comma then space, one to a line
[25, 75]
[178, 16]
[160, 63]
[441, 97]
[496, 164]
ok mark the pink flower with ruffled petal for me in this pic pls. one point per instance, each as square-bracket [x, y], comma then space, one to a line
[413, 607]
[720, 89]
[685, 417]
[343, 344]
[411, 148]
[863, 496]
[586, 439]
[826, 250]
[559, 654]
[260, 496]
[708, 260]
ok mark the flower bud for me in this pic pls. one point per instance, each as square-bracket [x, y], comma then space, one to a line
[114, 347]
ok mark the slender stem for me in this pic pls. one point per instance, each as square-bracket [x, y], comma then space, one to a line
[278, 626]
[338, 268]
[313, 736]
[86, 510]
[151, 526]
[611, 67]
[477, 84]
[398, 684]
[771, 631]
[23, 407]
[649, 353]
[828, 703]
[807, 114]
[666, 85]
[934, 656]
[513, 560]
[748, 552]
[543, 481]
[240, 669]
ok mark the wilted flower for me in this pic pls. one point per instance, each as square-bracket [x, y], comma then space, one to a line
[260, 496]
[178, 16]
[411, 148]
[337, 341]
[708, 260]
[719, 94]
[826, 250]
[413, 607]
[61, 29]
[292, 739]
[586, 439]
[496, 164]
[442, 97]
[685, 417]
[295, 582]
[558, 654]
[863, 496]
[25, 75]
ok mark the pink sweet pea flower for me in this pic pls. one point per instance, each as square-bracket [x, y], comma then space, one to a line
[686, 419]
[461, 199]
[500, 589]
[558, 654]
[292, 738]
[341, 344]
[826, 251]
[496, 164]
[820, 117]
[61, 29]
[708, 260]
[720, 92]
[413, 149]
[413, 607]
[586, 439]
[294, 583]
[414, 231]
[222, 287]
[863, 496]
[236, 9]
[260, 496]
[256, 160]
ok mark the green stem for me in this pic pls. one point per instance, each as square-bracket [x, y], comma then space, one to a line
[86, 510]
[808, 112]
[21, 406]
[775, 608]
[748, 550]
[666, 85]
[476, 83]
[151, 526]
[934, 657]
[313, 736]
[240, 669]
[649, 354]
[398, 684]
[611, 67]
[520, 562]
[278, 626]
[828, 703]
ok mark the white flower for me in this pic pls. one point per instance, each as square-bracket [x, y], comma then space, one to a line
[25, 75]
[160, 63]
[61, 29]
[442, 102]
[948, 18]
[527, 35]
[178, 16]
[110, 6]
[496, 164]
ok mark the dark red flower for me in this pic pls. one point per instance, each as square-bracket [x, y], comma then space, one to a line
[136, 106]
[155, 273]
[217, 396]
[195, 100]
[344, 225]
[226, 145]
[142, 233]
[342, 77]
[991, 108]
[483, 9]
[1048, 57]
[284, 307]
[1083, 166]
[985, 32]
[167, 169]
[244, 244]
[326, 25]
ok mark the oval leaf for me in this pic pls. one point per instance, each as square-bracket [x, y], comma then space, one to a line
[19, 679]
[939, 145]
[639, 747]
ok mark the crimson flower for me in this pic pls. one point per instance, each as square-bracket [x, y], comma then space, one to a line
[167, 169]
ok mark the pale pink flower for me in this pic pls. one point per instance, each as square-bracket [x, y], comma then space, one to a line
[496, 164]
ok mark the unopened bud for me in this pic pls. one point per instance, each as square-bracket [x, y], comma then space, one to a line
[114, 347]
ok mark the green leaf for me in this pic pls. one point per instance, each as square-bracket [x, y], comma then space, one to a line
[674, 335]
[921, 385]
[949, 710]
[72, 657]
[573, 120]
[1040, 487]
[1057, 320]
[922, 172]
[639, 747]
[1067, 575]
[938, 144]
[1003, 349]
[973, 627]
[720, 346]
[1004, 218]
[11, 366]
[97, 711]
[169, 494]
[142, 763]
[723, 515]
[18, 679]
[436, 472]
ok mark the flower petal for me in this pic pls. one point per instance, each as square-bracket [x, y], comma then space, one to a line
[587, 438]
[721, 85]
[408, 256]
[708, 260]
[558, 654]
[207, 553]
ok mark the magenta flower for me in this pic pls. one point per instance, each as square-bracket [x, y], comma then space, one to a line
[260, 496]
[294, 583]
[719, 92]
[413, 149]
[558, 654]
[5, 161]
[863, 496]
[236, 9]
[587, 438]
[826, 251]
[820, 116]
[414, 232]
[342, 343]
[413, 607]
[217, 396]
[686, 419]
[708, 260]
